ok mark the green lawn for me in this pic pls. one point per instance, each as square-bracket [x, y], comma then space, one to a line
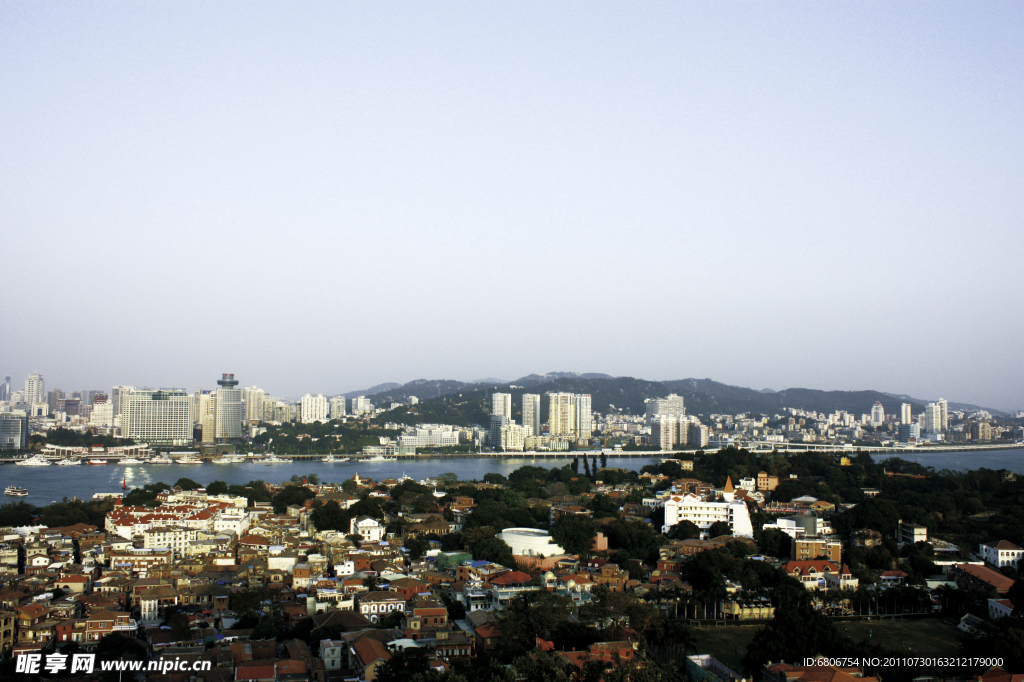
[726, 644]
[909, 637]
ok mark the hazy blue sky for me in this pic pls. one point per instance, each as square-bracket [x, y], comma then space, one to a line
[324, 196]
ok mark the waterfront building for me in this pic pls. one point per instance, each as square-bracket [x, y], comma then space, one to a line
[157, 417]
[115, 397]
[13, 431]
[943, 414]
[531, 414]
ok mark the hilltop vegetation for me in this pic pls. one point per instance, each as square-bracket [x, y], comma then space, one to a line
[462, 404]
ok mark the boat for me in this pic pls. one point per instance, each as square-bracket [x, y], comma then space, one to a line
[331, 459]
[97, 461]
[229, 459]
[381, 458]
[15, 491]
[274, 459]
[35, 461]
[190, 459]
[68, 462]
[161, 460]
[131, 460]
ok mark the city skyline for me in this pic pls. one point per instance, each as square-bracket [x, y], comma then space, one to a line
[313, 196]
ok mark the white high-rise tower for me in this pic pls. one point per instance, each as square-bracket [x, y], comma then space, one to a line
[531, 414]
[229, 408]
[35, 390]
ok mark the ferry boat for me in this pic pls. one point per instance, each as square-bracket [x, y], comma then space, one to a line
[331, 459]
[131, 460]
[35, 461]
[68, 462]
[190, 459]
[15, 491]
[97, 461]
[161, 460]
[274, 459]
[382, 458]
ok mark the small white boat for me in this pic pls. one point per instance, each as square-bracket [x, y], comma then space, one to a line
[161, 460]
[331, 459]
[131, 460]
[97, 461]
[190, 459]
[229, 459]
[15, 491]
[68, 462]
[274, 459]
[381, 458]
[35, 461]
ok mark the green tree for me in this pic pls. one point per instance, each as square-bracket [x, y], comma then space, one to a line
[289, 495]
[575, 533]
[217, 488]
[719, 528]
[187, 484]
[684, 530]
[350, 487]
[493, 549]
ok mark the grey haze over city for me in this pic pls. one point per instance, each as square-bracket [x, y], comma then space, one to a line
[325, 197]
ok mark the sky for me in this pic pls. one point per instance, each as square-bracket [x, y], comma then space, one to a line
[320, 197]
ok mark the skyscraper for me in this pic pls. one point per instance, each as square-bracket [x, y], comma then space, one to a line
[906, 413]
[584, 426]
[943, 414]
[501, 404]
[531, 414]
[115, 396]
[13, 431]
[5, 390]
[562, 414]
[229, 408]
[35, 390]
[933, 418]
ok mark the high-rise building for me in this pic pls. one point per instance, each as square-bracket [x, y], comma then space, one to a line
[561, 414]
[943, 414]
[584, 426]
[102, 415]
[665, 431]
[312, 408]
[229, 408]
[501, 403]
[35, 389]
[253, 398]
[115, 397]
[933, 418]
[672, 406]
[531, 414]
[361, 404]
[498, 422]
[511, 437]
[337, 407]
[206, 415]
[162, 417]
[877, 414]
[5, 390]
[906, 414]
[13, 431]
[699, 435]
